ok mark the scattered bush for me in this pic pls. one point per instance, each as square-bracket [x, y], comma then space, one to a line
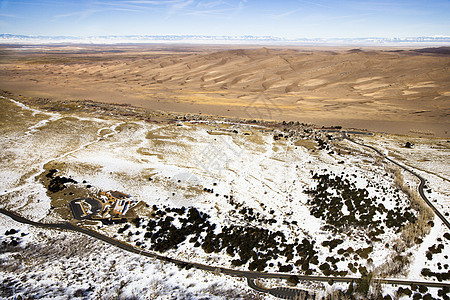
[293, 280]
[332, 193]
[403, 292]
[254, 246]
[11, 231]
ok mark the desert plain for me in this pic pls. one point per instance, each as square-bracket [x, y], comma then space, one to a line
[401, 91]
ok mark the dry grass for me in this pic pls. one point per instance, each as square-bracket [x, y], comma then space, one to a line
[308, 144]
[60, 200]
[419, 229]
[399, 260]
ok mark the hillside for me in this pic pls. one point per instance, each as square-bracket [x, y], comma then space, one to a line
[249, 196]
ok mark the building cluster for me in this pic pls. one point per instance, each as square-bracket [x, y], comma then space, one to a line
[115, 204]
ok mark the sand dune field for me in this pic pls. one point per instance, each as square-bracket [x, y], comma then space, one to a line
[399, 91]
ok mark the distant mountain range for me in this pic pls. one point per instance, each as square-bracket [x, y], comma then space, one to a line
[208, 39]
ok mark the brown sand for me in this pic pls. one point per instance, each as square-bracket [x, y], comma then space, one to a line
[403, 91]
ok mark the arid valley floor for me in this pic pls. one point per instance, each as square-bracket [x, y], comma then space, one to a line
[246, 160]
[399, 91]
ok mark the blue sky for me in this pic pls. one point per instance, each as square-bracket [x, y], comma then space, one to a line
[286, 19]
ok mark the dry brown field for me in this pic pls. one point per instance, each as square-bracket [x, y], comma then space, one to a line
[404, 91]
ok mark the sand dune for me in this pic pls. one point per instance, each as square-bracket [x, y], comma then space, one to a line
[353, 88]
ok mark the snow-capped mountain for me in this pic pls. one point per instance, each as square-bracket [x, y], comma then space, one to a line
[208, 39]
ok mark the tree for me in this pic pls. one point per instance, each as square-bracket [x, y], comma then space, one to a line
[294, 280]
[350, 289]
[363, 284]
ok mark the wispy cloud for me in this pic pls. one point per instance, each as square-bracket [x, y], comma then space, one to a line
[340, 18]
[130, 5]
[172, 6]
[211, 12]
[285, 14]
[355, 21]
[10, 16]
[181, 4]
[207, 8]
[150, 2]
[241, 4]
[210, 4]
[86, 13]
[298, 9]
[168, 7]
[81, 15]
[379, 6]
[50, 3]
[314, 3]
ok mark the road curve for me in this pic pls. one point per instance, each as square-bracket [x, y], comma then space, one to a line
[250, 275]
[421, 185]
[251, 283]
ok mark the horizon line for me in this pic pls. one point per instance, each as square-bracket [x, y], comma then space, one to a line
[228, 36]
[191, 39]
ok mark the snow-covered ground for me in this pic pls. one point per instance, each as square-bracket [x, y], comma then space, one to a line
[201, 165]
[429, 157]
[50, 264]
